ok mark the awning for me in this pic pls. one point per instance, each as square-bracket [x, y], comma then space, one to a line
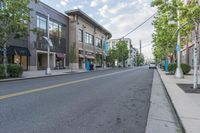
[60, 55]
[90, 57]
[81, 56]
[15, 50]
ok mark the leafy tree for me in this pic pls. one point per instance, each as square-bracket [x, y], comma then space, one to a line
[72, 55]
[14, 21]
[122, 51]
[112, 56]
[140, 59]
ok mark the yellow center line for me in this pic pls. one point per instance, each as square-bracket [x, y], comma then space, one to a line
[57, 85]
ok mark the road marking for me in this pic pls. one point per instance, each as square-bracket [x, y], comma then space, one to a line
[58, 85]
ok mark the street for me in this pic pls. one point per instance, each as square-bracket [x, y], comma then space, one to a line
[110, 101]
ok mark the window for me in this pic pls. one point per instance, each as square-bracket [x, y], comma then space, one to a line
[89, 39]
[98, 43]
[41, 23]
[80, 35]
[57, 32]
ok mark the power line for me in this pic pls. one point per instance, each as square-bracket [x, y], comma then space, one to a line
[139, 26]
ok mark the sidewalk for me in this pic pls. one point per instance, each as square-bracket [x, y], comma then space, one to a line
[161, 117]
[187, 105]
[41, 73]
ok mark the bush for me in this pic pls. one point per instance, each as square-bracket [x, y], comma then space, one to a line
[15, 70]
[2, 71]
[185, 67]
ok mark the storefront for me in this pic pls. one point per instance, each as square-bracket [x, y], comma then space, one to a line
[81, 61]
[17, 55]
[60, 61]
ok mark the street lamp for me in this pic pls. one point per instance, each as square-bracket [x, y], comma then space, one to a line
[179, 71]
[49, 42]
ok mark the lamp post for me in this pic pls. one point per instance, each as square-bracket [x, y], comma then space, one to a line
[48, 71]
[179, 71]
[49, 42]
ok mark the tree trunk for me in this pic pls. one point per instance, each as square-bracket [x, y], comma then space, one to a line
[196, 57]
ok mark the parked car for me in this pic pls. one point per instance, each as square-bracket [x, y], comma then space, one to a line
[152, 65]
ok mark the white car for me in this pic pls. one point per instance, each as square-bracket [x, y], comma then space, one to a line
[152, 65]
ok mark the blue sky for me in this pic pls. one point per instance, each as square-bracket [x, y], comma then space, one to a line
[118, 16]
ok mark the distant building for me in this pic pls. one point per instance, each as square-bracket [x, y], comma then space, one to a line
[131, 61]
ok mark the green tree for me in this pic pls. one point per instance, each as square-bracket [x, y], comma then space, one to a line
[140, 59]
[14, 21]
[122, 51]
[72, 55]
[112, 56]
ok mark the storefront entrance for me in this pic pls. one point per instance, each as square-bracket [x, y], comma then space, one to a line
[17, 55]
[42, 61]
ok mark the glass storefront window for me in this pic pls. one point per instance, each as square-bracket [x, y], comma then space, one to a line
[16, 59]
[24, 62]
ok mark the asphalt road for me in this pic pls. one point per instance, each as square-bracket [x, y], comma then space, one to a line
[111, 101]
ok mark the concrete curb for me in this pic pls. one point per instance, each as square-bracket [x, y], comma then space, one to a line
[187, 111]
[46, 76]
[161, 115]
[174, 108]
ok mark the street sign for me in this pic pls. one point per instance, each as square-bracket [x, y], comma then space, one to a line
[177, 48]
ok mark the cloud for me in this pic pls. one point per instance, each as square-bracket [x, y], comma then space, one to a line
[78, 7]
[123, 23]
[94, 3]
[64, 2]
[106, 10]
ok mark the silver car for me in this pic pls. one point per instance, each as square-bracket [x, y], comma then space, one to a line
[152, 65]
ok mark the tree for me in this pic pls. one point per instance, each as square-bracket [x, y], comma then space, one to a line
[191, 14]
[122, 51]
[112, 56]
[72, 55]
[14, 21]
[140, 59]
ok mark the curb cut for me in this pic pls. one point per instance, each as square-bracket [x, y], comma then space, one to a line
[170, 100]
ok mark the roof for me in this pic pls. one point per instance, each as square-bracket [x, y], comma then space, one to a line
[89, 19]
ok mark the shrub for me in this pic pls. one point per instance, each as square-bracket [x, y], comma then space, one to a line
[15, 70]
[2, 71]
[185, 67]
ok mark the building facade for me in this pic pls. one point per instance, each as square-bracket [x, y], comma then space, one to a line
[59, 32]
[31, 52]
[89, 38]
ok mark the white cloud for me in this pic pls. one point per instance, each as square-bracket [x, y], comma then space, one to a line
[64, 2]
[78, 7]
[94, 3]
[106, 10]
[103, 11]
